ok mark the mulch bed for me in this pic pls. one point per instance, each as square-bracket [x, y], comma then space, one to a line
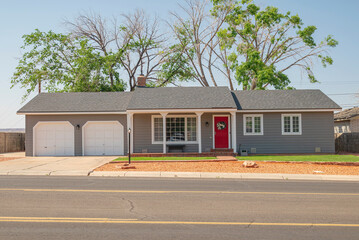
[319, 163]
[236, 167]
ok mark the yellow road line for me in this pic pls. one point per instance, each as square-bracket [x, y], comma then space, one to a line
[65, 218]
[164, 192]
[117, 221]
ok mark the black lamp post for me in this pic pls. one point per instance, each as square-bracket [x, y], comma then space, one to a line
[129, 146]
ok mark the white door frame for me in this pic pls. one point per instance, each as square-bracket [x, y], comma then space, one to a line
[50, 122]
[88, 122]
[229, 129]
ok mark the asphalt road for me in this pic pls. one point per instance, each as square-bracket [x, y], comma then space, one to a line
[149, 208]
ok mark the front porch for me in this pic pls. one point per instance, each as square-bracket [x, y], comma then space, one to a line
[228, 152]
[183, 133]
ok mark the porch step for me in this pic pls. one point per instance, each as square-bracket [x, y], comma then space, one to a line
[222, 150]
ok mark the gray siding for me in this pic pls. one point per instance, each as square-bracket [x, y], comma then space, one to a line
[207, 132]
[142, 135]
[317, 131]
[31, 121]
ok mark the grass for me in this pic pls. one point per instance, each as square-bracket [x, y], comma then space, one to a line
[303, 158]
[161, 158]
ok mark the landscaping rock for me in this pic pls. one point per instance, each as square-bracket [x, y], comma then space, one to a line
[250, 164]
[128, 166]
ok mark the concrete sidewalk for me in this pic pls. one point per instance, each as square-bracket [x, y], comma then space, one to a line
[64, 166]
[273, 176]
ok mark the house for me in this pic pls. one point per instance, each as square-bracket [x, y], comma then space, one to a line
[179, 119]
[347, 121]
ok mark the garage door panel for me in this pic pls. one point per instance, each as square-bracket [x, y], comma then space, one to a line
[103, 138]
[54, 139]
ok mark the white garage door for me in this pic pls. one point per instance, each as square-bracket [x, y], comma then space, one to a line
[103, 138]
[54, 139]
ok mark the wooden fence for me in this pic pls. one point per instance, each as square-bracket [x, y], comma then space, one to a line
[12, 142]
[347, 142]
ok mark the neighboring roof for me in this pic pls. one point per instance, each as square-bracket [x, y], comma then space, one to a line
[78, 102]
[346, 114]
[283, 100]
[182, 98]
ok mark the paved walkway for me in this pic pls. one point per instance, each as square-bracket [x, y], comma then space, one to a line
[77, 166]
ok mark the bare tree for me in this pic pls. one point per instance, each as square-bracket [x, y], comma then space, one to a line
[197, 34]
[95, 28]
[145, 46]
[136, 44]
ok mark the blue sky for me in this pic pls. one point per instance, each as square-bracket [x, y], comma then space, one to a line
[340, 19]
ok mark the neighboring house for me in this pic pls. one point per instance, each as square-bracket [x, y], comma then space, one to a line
[347, 121]
[197, 119]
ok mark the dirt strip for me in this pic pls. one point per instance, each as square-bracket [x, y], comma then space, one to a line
[236, 167]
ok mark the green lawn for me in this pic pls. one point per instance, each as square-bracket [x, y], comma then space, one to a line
[161, 158]
[303, 158]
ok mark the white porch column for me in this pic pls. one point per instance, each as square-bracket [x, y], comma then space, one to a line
[234, 131]
[130, 126]
[132, 131]
[199, 131]
[164, 131]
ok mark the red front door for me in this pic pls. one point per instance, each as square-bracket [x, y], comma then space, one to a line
[221, 132]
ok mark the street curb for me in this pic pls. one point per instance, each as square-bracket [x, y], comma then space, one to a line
[271, 176]
[169, 161]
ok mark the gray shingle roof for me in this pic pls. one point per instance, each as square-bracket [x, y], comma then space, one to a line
[283, 99]
[346, 114]
[179, 98]
[78, 102]
[182, 98]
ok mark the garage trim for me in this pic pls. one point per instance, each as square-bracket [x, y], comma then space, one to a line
[50, 122]
[88, 122]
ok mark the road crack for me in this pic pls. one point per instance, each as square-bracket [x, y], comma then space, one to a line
[132, 209]
[250, 224]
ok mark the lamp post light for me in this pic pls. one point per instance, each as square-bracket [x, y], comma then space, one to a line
[129, 146]
[128, 165]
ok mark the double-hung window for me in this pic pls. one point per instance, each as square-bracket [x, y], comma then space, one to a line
[253, 124]
[181, 129]
[291, 124]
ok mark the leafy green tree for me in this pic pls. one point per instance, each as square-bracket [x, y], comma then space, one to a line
[56, 62]
[266, 43]
[176, 68]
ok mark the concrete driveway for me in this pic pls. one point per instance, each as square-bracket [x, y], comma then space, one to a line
[75, 166]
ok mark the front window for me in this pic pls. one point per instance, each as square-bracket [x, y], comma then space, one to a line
[178, 129]
[253, 124]
[291, 124]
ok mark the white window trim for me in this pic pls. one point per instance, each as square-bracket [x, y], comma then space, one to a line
[252, 133]
[291, 124]
[172, 116]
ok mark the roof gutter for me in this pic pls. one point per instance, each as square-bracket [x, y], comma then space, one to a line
[67, 113]
[290, 110]
[182, 110]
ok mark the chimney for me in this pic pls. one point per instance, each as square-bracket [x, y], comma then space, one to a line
[141, 81]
